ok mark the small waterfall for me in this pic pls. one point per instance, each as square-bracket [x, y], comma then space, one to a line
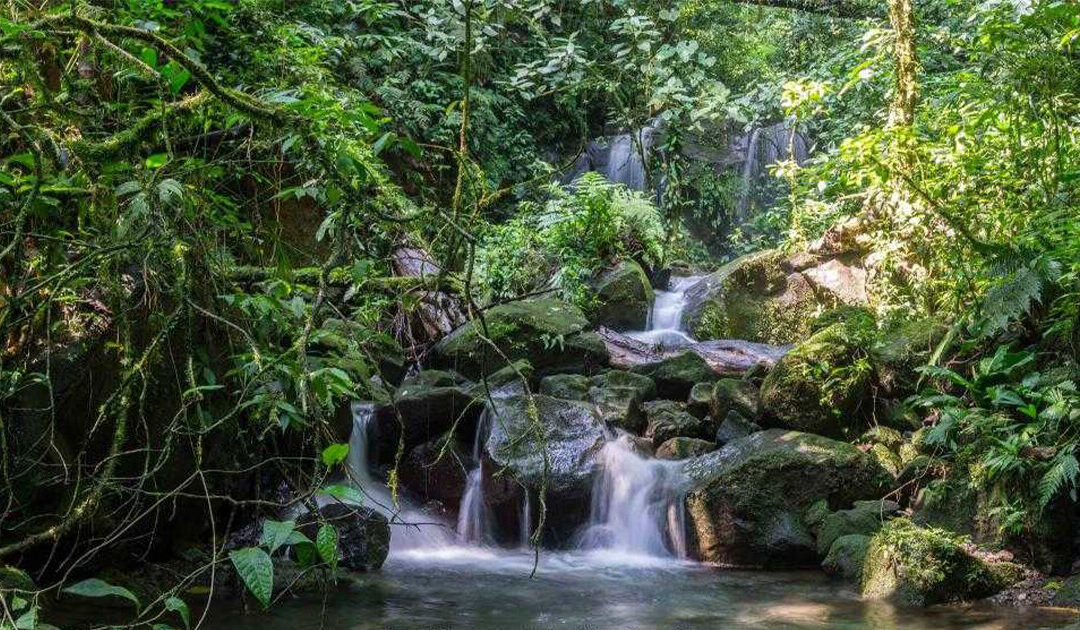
[637, 505]
[526, 521]
[474, 518]
[412, 528]
[665, 319]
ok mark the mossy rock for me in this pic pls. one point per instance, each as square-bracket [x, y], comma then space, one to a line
[866, 518]
[624, 298]
[889, 460]
[547, 332]
[735, 427]
[815, 514]
[1068, 595]
[923, 566]
[676, 375]
[846, 557]
[887, 436]
[746, 502]
[506, 380]
[699, 400]
[621, 378]
[683, 448]
[566, 386]
[426, 379]
[619, 406]
[668, 419]
[752, 298]
[901, 349]
[823, 385]
[740, 396]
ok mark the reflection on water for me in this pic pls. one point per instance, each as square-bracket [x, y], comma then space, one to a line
[487, 589]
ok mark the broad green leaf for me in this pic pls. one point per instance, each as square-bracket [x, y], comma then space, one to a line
[343, 492]
[276, 533]
[100, 588]
[157, 160]
[256, 569]
[335, 454]
[326, 542]
[177, 605]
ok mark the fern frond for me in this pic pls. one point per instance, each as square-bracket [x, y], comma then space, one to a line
[1064, 472]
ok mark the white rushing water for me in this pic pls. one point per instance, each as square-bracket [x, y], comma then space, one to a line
[665, 319]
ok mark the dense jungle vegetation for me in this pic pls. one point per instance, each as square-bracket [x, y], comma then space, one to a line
[222, 221]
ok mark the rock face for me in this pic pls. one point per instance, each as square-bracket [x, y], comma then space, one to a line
[821, 386]
[676, 375]
[572, 436]
[846, 557]
[625, 298]
[745, 502]
[549, 333]
[434, 477]
[865, 518]
[566, 386]
[363, 534]
[683, 448]
[437, 313]
[920, 566]
[726, 357]
[420, 413]
[735, 395]
[734, 427]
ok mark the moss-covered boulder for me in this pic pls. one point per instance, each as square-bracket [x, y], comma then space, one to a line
[740, 396]
[419, 413]
[846, 556]
[735, 427]
[746, 502]
[866, 518]
[619, 407]
[426, 379]
[621, 378]
[683, 448]
[506, 381]
[668, 419]
[699, 400]
[436, 471]
[823, 385]
[549, 333]
[624, 298]
[923, 566]
[567, 386]
[902, 348]
[1068, 594]
[752, 298]
[676, 375]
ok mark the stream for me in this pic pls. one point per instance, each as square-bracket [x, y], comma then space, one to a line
[627, 568]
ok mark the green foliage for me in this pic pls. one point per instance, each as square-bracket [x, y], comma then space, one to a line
[565, 242]
[94, 587]
[256, 569]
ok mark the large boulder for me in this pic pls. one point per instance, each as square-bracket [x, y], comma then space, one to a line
[619, 407]
[745, 502]
[666, 419]
[554, 446]
[624, 298]
[823, 385]
[752, 298]
[923, 566]
[621, 378]
[676, 375]
[436, 470]
[846, 556]
[735, 427]
[549, 333]
[419, 413]
[566, 386]
[865, 517]
[683, 448]
[736, 395]
[363, 534]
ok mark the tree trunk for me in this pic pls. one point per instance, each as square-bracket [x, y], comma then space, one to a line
[902, 112]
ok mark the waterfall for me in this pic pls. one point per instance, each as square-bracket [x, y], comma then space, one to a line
[665, 318]
[637, 505]
[474, 518]
[526, 520]
[412, 527]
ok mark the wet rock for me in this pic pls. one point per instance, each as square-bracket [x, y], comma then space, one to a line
[740, 396]
[667, 419]
[621, 378]
[566, 386]
[624, 298]
[435, 473]
[1068, 595]
[619, 407]
[746, 502]
[683, 448]
[363, 534]
[427, 379]
[418, 414]
[547, 332]
[735, 427]
[699, 400]
[921, 566]
[676, 375]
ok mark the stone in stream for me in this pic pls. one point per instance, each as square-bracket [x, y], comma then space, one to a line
[572, 434]
[736, 395]
[676, 375]
[668, 419]
[565, 386]
[419, 413]
[846, 556]
[699, 400]
[433, 472]
[734, 427]
[548, 332]
[745, 502]
[624, 298]
[621, 378]
[726, 357]
[683, 448]
[619, 407]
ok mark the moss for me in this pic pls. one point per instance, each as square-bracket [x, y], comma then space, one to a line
[815, 514]
[735, 395]
[846, 557]
[683, 448]
[675, 376]
[865, 518]
[1068, 593]
[889, 460]
[922, 566]
[621, 378]
[822, 385]
[12, 579]
[565, 386]
[886, 436]
[624, 298]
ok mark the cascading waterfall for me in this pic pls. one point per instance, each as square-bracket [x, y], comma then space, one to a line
[412, 528]
[665, 318]
[637, 505]
[474, 520]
